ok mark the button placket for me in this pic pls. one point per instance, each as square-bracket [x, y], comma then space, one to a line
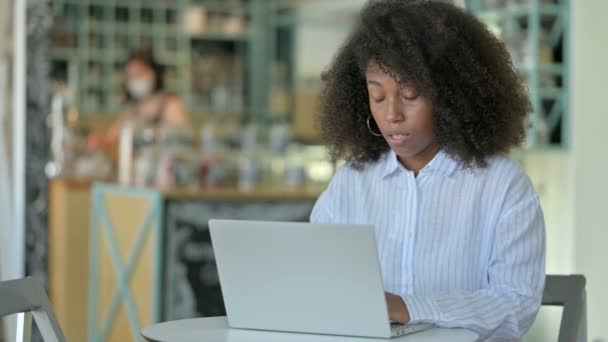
[408, 234]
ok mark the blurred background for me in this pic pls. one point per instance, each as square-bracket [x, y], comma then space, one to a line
[231, 131]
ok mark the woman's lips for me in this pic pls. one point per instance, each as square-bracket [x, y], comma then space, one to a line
[398, 138]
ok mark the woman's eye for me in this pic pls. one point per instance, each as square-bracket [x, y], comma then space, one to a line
[410, 97]
[377, 98]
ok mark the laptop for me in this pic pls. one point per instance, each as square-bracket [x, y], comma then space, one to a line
[303, 277]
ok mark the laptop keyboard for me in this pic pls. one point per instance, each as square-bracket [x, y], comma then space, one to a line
[398, 329]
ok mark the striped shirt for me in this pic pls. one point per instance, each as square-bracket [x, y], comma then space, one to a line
[462, 247]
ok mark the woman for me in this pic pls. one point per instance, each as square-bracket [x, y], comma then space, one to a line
[424, 104]
[146, 98]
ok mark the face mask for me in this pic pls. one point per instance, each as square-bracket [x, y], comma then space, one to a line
[140, 87]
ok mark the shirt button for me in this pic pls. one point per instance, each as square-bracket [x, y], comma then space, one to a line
[408, 280]
[409, 233]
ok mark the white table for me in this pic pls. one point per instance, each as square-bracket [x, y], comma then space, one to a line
[216, 329]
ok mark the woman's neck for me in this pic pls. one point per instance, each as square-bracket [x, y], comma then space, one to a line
[419, 161]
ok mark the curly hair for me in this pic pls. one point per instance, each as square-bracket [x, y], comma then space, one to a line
[479, 103]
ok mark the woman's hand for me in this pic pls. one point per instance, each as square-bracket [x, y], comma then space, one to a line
[397, 310]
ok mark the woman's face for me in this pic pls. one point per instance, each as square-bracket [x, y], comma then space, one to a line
[404, 117]
[140, 79]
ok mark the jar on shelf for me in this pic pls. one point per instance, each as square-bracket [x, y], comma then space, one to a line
[216, 170]
[295, 168]
[249, 170]
[177, 162]
[195, 19]
[125, 152]
[145, 167]
[216, 165]
[279, 138]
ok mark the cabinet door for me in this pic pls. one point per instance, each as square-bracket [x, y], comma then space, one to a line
[191, 282]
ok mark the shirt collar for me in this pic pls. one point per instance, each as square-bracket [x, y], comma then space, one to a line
[441, 163]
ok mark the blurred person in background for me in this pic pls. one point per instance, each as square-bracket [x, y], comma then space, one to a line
[147, 100]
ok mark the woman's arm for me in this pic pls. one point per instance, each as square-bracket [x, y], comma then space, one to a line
[175, 111]
[109, 139]
[505, 309]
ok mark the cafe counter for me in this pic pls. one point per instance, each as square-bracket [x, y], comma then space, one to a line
[121, 258]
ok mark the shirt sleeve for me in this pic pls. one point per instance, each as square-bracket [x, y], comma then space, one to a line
[333, 199]
[322, 212]
[505, 309]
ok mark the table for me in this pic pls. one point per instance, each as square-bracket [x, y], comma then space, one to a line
[216, 329]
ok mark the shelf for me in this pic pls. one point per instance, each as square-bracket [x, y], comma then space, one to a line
[517, 11]
[132, 29]
[104, 3]
[222, 7]
[217, 116]
[103, 55]
[92, 54]
[259, 192]
[64, 54]
[120, 55]
[537, 149]
[552, 69]
[107, 31]
[239, 37]
[548, 82]
[552, 93]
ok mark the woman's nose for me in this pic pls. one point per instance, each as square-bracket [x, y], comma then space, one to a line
[394, 111]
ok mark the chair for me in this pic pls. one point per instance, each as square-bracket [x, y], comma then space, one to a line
[568, 291]
[26, 297]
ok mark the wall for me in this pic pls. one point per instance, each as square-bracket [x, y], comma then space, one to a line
[552, 173]
[553, 177]
[572, 184]
[589, 124]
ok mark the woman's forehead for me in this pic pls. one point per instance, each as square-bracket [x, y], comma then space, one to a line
[137, 65]
[379, 71]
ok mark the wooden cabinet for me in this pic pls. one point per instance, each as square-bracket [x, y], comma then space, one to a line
[69, 204]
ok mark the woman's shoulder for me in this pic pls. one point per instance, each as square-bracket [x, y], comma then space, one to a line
[174, 109]
[503, 163]
[505, 172]
[351, 178]
[359, 170]
[168, 98]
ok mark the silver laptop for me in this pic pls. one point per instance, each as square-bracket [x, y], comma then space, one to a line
[302, 277]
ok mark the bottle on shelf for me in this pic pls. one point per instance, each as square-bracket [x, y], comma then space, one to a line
[249, 163]
[125, 153]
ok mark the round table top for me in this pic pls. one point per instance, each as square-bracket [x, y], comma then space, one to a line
[216, 329]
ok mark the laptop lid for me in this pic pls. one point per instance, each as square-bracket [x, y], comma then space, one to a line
[300, 277]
